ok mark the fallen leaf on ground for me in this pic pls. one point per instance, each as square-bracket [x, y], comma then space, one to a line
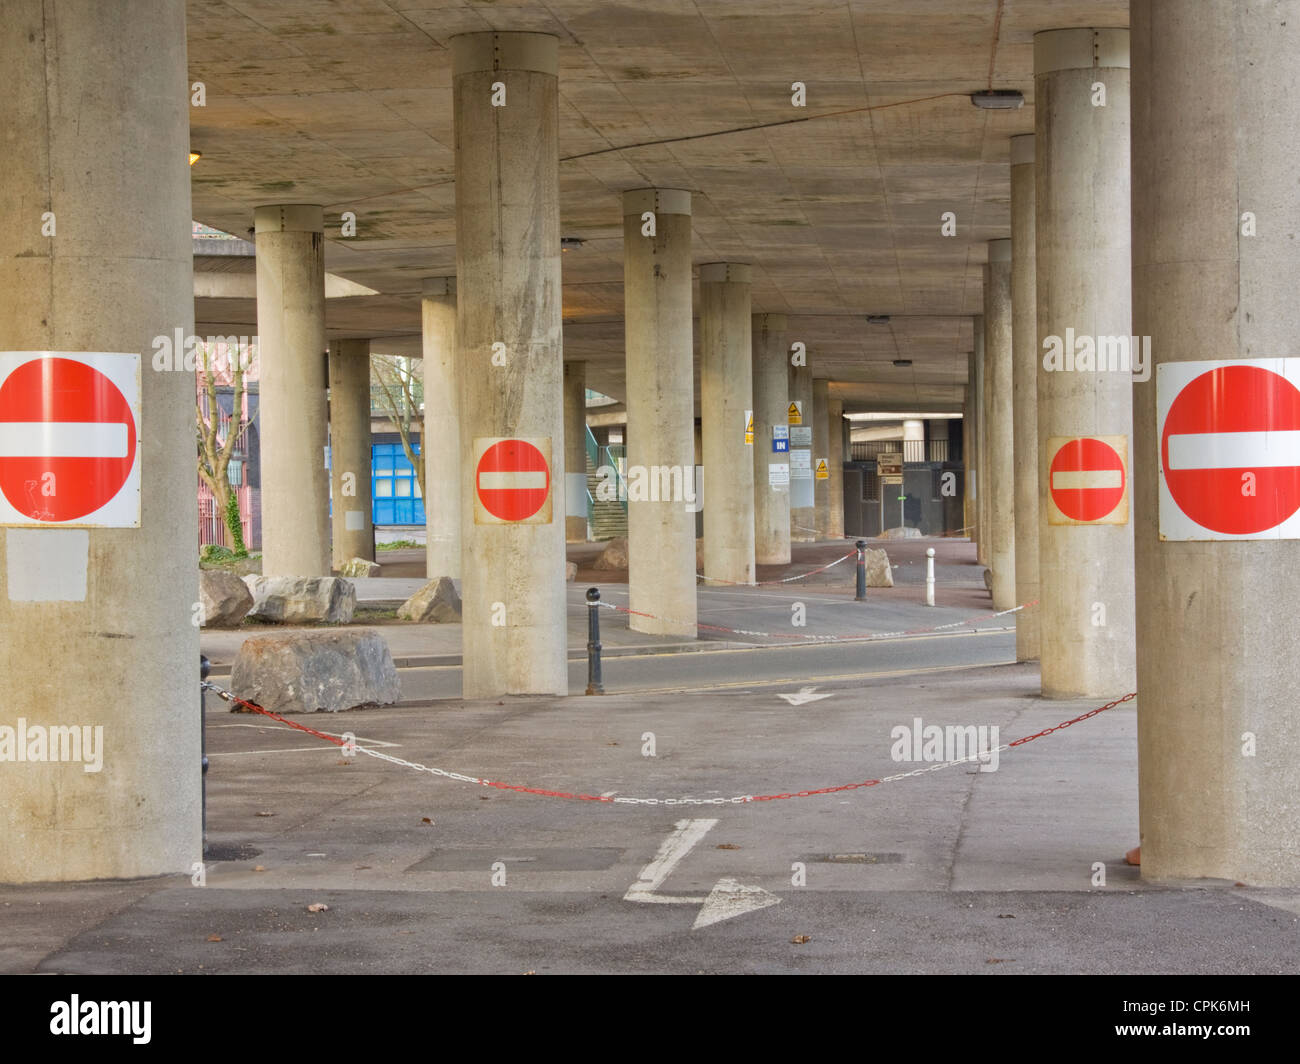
[728, 846]
[799, 940]
[426, 820]
[996, 960]
[214, 938]
[259, 868]
[264, 812]
[318, 907]
[1006, 916]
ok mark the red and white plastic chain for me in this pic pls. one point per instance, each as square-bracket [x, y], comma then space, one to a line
[739, 799]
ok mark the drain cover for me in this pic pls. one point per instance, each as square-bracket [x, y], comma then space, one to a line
[857, 858]
[230, 851]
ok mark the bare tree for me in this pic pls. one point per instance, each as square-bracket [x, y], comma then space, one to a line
[401, 394]
[217, 437]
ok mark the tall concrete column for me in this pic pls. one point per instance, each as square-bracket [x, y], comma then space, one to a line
[1083, 290]
[981, 449]
[349, 404]
[835, 458]
[660, 410]
[771, 468]
[99, 636]
[292, 410]
[726, 394]
[970, 451]
[1215, 104]
[998, 416]
[575, 451]
[821, 452]
[508, 274]
[444, 465]
[803, 512]
[1024, 381]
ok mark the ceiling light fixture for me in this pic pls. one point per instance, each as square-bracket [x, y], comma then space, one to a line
[998, 99]
[902, 362]
[195, 156]
[877, 319]
[568, 242]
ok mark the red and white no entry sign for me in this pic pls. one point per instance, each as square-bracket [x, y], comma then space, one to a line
[69, 435]
[1087, 479]
[1229, 449]
[512, 481]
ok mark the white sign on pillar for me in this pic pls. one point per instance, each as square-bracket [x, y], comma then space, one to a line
[70, 439]
[1229, 435]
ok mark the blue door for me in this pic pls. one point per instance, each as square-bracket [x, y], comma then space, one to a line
[394, 489]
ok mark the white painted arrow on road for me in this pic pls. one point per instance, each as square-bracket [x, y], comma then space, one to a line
[805, 694]
[728, 898]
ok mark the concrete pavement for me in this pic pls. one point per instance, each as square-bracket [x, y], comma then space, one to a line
[1016, 870]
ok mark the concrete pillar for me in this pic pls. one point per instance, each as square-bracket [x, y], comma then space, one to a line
[998, 416]
[771, 468]
[575, 451]
[821, 453]
[508, 275]
[981, 449]
[803, 511]
[1083, 290]
[292, 410]
[1024, 380]
[835, 459]
[660, 411]
[970, 451]
[349, 404]
[1215, 101]
[726, 394]
[444, 466]
[98, 621]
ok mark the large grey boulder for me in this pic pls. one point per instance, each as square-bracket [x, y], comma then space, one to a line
[614, 556]
[907, 532]
[304, 672]
[436, 602]
[302, 599]
[225, 597]
[359, 567]
[879, 572]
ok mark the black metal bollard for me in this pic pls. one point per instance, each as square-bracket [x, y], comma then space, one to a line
[204, 668]
[594, 684]
[861, 596]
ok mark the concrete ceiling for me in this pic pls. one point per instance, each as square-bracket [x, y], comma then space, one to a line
[347, 103]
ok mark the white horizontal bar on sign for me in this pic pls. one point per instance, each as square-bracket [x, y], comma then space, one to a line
[1234, 450]
[1082, 479]
[517, 480]
[62, 439]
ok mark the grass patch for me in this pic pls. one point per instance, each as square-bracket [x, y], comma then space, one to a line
[398, 544]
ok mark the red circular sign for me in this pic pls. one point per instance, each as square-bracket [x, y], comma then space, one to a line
[69, 439]
[1086, 479]
[1205, 474]
[512, 480]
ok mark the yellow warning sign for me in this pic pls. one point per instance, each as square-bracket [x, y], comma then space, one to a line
[795, 413]
[823, 471]
[749, 426]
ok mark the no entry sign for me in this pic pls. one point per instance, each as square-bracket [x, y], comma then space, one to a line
[512, 481]
[1229, 449]
[1087, 480]
[69, 439]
